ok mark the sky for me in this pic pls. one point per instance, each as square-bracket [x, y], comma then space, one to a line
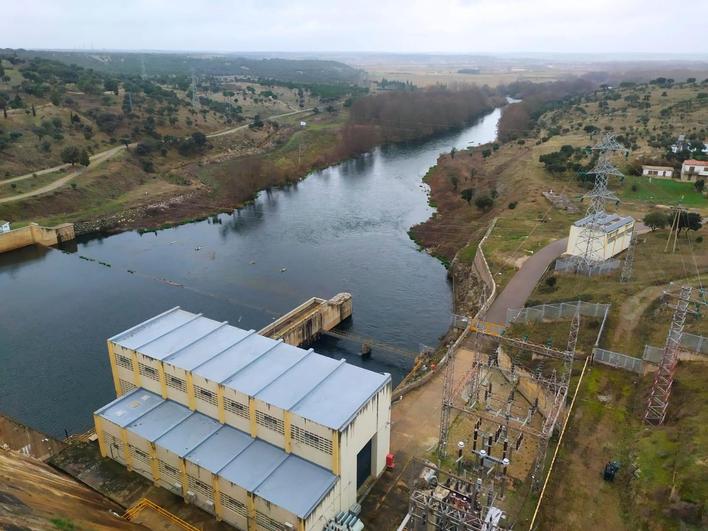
[399, 26]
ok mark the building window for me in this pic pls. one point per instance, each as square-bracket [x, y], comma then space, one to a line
[176, 383]
[311, 439]
[126, 386]
[168, 471]
[205, 395]
[237, 408]
[139, 455]
[124, 361]
[114, 446]
[200, 487]
[270, 422]
[266, 522]
[148, 372]
[233, 505]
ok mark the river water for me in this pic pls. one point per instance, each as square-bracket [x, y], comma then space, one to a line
[340, 229]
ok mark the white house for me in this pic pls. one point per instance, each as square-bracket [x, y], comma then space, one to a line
[691, 170]
[4, 226]
[611, 235]
[665, 172]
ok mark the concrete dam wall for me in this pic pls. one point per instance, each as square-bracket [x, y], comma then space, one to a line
[36, 234]
[304, 323]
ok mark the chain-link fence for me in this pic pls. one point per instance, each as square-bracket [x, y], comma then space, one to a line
[570, 265]
[689, 343]
[620, 361]
[555, 312]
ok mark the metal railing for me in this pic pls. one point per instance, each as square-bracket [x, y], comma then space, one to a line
[144, 503]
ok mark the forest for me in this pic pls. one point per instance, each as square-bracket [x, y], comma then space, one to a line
[412, 115]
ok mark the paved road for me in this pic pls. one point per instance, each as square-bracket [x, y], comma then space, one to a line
[97, 159]
[522, 284]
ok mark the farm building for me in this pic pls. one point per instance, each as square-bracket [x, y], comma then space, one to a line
[692, 170]
[300, 413]
[665, 172]
[4, 226]
[611, 235]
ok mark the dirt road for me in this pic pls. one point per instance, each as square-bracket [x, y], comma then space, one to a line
[99, 158]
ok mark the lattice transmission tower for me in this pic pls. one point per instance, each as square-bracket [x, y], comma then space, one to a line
[664, 378]
[591, 233]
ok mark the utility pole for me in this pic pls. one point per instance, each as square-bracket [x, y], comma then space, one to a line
[629, 259]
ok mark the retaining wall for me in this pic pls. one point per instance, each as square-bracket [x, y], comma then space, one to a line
[35, 234]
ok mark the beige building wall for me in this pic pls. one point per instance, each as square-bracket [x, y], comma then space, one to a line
[605, 246]
[371, 423]
[311, 441]
[234, 503]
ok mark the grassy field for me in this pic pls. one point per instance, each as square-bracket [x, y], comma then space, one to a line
[661, 192]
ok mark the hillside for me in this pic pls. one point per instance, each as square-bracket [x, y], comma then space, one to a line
[35, 496]
[662, 484]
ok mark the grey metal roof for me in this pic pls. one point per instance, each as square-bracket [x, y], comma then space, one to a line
[188, 434]
[330, 403]
[266, 369]
[308, 373]
[179, 337]
[286, 480]
[215, 452]
[159, 420]
[222, 366]
[255, 365]
[297, 486]
[152, 328]
[127, 408]
[255, 464]
[206, 347]
[605, 222]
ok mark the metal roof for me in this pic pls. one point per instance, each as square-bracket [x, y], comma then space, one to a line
[159, 420]
[215, 452]
[224, 364]
[313, 484]
[193, 355]
[264, 369]
[179, 337]
[605, 222]
[188, 434]
[283, 479]
[329, 403]
[152, 328]
[125, 409]
[255, 365]
[255, 464]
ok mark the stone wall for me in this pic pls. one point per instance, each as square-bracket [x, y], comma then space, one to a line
[35, 234]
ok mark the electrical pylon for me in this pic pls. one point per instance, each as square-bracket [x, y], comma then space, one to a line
[591, 232]
[664, 378]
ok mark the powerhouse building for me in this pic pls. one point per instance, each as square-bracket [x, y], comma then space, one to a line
[262, 434]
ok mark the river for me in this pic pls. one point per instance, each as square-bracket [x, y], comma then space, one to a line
[340, 229]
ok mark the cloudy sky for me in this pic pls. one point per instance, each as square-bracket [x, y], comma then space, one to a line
[451, 26]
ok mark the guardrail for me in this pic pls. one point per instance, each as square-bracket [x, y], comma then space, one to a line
[144, 503]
